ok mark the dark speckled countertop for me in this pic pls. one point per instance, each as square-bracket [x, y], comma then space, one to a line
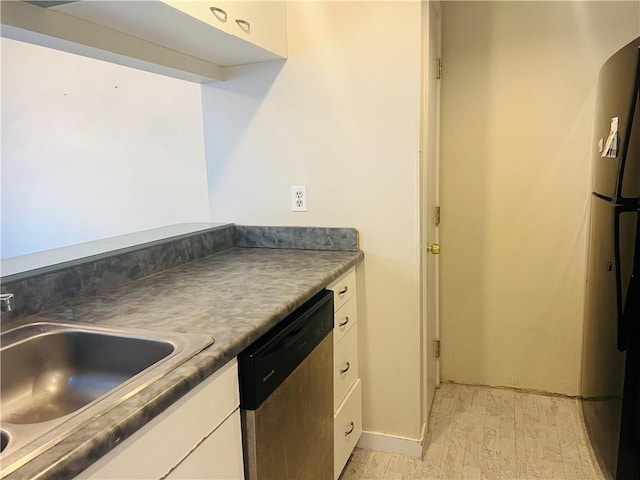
[235, 296]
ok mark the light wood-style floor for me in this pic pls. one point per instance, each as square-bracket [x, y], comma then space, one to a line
[488, 433]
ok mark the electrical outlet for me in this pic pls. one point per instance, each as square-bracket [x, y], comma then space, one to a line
[299, 198]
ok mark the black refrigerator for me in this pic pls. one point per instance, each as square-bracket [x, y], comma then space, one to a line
[611, 342]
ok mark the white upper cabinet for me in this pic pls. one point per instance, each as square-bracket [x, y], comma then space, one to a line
[192, 40]
[261, 24]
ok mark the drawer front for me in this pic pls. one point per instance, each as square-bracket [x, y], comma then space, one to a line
[343, 288]
[345, 365]
[347, 427]
[345, 319]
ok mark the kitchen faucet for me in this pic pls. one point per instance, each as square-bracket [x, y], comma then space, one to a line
[7, 302]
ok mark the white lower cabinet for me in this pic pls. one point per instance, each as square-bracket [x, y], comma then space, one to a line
[197, 437]
[216, 456]
[347, 427]
[347, 387]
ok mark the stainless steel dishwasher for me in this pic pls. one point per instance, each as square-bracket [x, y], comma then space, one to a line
[286, 396]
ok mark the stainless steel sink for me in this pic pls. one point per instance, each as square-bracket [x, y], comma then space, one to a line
[55, 377]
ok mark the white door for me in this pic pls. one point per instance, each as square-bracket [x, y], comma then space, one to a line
[432, 20]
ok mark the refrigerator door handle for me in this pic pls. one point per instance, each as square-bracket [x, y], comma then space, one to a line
[622, 326]
[631, 312]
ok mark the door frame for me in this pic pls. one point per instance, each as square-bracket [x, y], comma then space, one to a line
[429, 161]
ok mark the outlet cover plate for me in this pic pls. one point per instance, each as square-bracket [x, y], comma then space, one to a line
[298, 198]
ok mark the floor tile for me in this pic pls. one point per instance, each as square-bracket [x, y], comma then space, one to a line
[478, 432]
[376, 465]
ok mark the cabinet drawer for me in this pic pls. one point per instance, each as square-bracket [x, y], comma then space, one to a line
[347, 427]
[345, 365]
[345, 319]
[343, 288]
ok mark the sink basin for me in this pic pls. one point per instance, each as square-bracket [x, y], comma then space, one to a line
[51, 375]
[56, 377]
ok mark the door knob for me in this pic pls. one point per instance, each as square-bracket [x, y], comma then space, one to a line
[434, 248]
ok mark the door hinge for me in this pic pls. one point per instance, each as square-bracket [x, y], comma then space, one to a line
[436, 216]
[437, 348]
[439, 69]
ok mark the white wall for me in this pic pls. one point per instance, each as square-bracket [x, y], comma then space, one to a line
[517, 103]
[340, 116]
[92, 150]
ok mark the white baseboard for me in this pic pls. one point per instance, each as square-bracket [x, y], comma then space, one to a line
[381, 442]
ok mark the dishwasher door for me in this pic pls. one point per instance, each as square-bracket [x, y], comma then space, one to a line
[287, 427]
